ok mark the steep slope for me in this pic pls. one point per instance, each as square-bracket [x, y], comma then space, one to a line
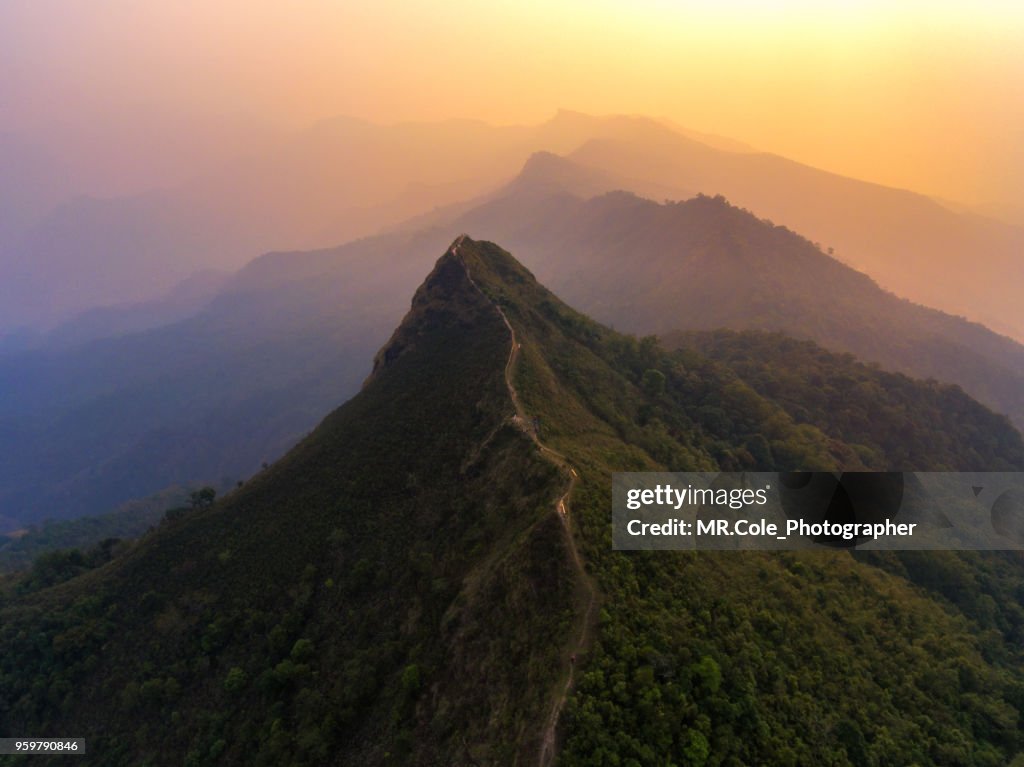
[396, 589]
[210, 398]
[401, 587]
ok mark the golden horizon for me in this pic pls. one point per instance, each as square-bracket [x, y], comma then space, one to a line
[924, 96]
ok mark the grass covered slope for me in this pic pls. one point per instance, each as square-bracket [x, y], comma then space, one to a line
[395, 590]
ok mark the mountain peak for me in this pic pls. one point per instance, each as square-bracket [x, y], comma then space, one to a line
[547, 172]
[454, 296]
[447, 296]
[543, 161]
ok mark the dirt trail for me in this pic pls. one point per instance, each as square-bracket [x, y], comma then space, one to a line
[548, 739]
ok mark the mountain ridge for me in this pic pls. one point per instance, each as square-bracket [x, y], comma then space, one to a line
[447, 437]
[911, 244]
[587, 592]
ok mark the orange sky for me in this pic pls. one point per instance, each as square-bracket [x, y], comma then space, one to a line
[926, 95]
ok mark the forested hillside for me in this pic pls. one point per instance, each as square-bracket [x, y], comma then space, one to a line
[893, 421]
[726, 658]
[399, 589]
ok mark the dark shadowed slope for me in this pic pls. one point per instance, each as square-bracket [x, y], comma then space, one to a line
[208, 399]
[396, 588]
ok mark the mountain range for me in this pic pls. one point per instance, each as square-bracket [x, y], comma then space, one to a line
[64, 250]
[428, 579]
[961, 262]
[346, 178]
[86, 427]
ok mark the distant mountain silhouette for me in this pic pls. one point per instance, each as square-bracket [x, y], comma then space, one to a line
[184, 300]
[961, 262]
[334, 181]
[347, 178]
[92, 253]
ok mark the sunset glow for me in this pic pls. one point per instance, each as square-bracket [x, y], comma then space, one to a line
[921, 95]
